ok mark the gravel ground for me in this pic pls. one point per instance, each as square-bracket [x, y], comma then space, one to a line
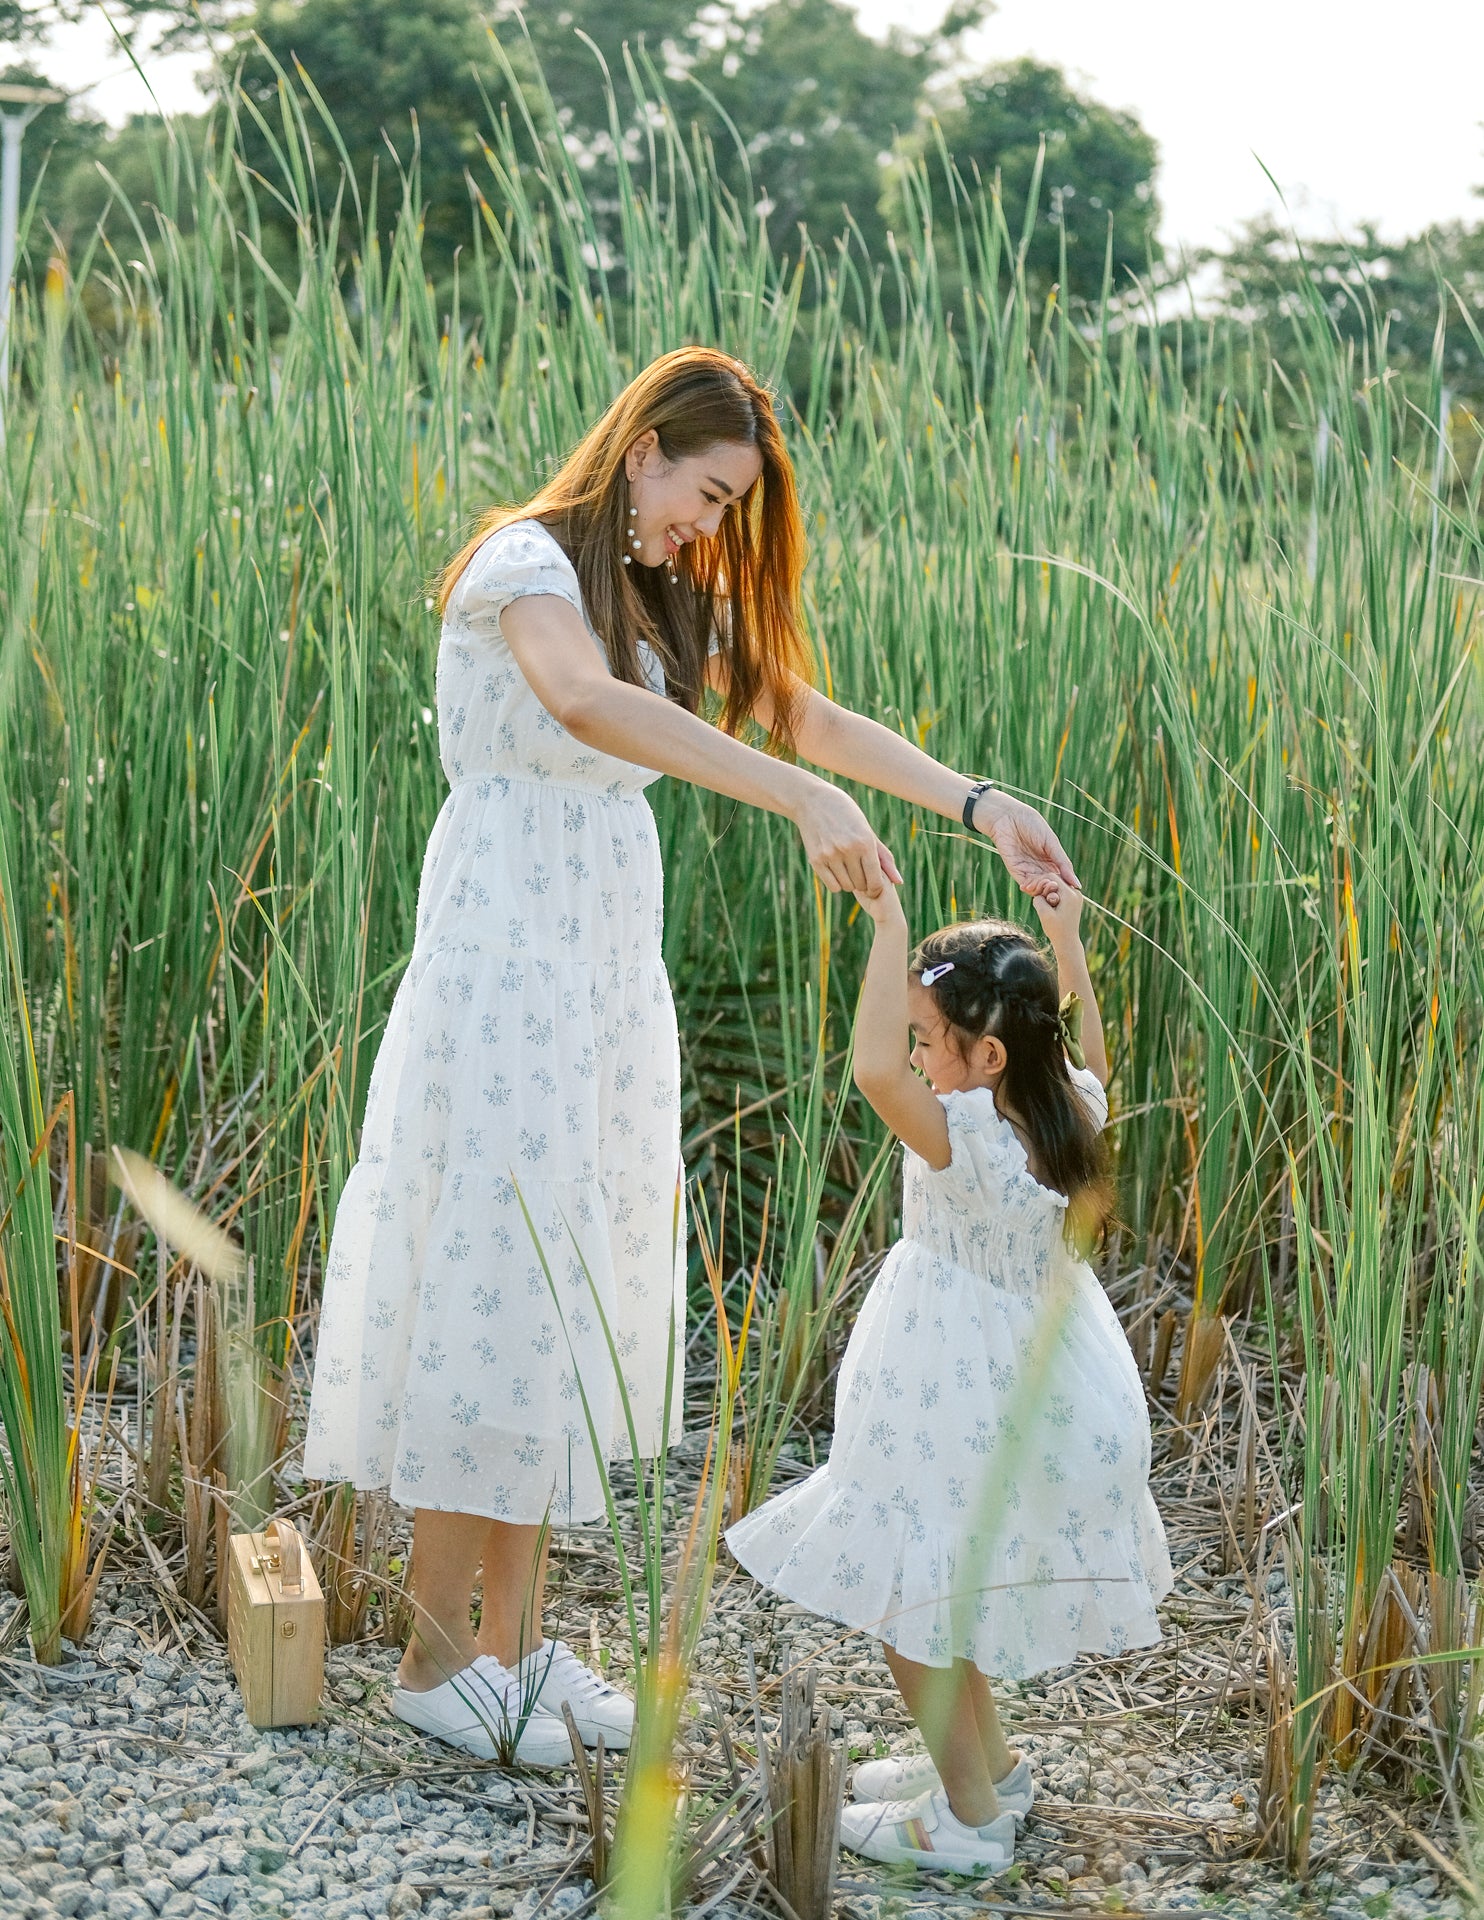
[131, 1783]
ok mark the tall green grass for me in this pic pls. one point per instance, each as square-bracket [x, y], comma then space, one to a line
[1096, 557]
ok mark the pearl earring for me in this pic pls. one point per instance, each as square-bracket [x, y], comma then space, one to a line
[634, 540]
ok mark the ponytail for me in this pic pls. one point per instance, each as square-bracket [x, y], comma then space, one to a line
[997, 980]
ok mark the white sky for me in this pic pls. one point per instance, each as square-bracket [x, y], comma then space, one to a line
[1360, 110]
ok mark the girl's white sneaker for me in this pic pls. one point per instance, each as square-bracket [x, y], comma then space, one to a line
[906, 1778]
[480, 1709]
[558, 1677]
[924, 1833]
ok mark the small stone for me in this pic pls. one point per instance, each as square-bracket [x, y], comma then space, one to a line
[1111, 1868]
[404, 1900]
[1074, 1866]
[67, 1898]
[157, 1892]
[186, 1871]
[218, 1888]
[35, 1755]
[125, 1904]
[1372, 1885]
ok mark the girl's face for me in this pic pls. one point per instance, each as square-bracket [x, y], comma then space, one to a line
[684, 502]
[935, 1048]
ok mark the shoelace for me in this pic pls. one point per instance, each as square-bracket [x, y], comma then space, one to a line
[500, 1687]
[896, 1813]
[574, 1675]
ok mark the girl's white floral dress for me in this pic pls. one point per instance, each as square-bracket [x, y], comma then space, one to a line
[986, 1496]
[529, 1066]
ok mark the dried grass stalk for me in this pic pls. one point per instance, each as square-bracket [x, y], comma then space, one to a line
[804, 1784]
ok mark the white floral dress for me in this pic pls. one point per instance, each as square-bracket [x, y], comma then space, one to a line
[986, 1495]
[529, 1067]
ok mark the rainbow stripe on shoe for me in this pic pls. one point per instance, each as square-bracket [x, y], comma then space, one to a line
[924, 1833]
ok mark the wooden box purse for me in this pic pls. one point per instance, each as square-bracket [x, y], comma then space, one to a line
[275, 1626]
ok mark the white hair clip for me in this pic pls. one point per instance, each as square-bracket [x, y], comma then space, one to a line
[930, 974]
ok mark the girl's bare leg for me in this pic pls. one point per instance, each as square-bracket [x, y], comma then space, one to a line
[991, 1735]
[940, 1701]
[446, 1551]
[514, 1590]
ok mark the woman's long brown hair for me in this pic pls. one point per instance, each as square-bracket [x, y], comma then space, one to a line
[744, 584]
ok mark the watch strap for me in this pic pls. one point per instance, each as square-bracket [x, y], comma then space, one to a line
[971, 800]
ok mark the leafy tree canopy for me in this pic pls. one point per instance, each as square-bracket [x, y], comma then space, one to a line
[1284, 288]
[395, 79]
[816, 106]
[1097, 180]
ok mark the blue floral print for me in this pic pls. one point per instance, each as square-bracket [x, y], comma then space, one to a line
[966, 1543]
[529, 1067]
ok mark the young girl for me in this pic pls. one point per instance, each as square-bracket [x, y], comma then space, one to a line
[985, 1507]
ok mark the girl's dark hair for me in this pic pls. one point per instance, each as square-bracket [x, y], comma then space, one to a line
[1005, 984]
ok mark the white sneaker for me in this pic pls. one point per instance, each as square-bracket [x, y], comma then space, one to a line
[559, 1677]
[905, 1779]
[924, 1833]
[481, 1710]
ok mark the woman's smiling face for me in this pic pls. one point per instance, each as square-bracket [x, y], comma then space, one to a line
[675, 504]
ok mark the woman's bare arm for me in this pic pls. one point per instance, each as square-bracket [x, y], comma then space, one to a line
[844, 742]
[570, 677]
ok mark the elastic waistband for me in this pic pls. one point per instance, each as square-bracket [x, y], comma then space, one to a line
[544, 786]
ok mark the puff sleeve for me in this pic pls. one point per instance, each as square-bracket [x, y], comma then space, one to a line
[517, 561]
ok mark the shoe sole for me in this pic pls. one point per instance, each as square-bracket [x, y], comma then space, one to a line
[929, 1862]
[589, 1733]
[478, 1741]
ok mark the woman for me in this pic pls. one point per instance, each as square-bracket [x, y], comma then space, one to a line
[520, 1157]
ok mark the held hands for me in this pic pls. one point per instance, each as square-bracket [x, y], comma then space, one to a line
[1061, 919]
[884, 908]
[840, 845]
[1036, 859]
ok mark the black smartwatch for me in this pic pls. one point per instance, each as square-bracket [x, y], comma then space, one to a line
[979, 788]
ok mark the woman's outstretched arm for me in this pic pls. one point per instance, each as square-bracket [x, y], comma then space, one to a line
[570, 677]
[847, 743]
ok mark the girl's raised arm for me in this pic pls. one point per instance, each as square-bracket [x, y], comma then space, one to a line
[1061, 925]
[882, 1064]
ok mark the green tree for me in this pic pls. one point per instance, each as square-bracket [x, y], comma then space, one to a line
[20, 21]
[1097, 180]
[1272, 281]
[559, 37]
[396, 80]
[817, 104]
